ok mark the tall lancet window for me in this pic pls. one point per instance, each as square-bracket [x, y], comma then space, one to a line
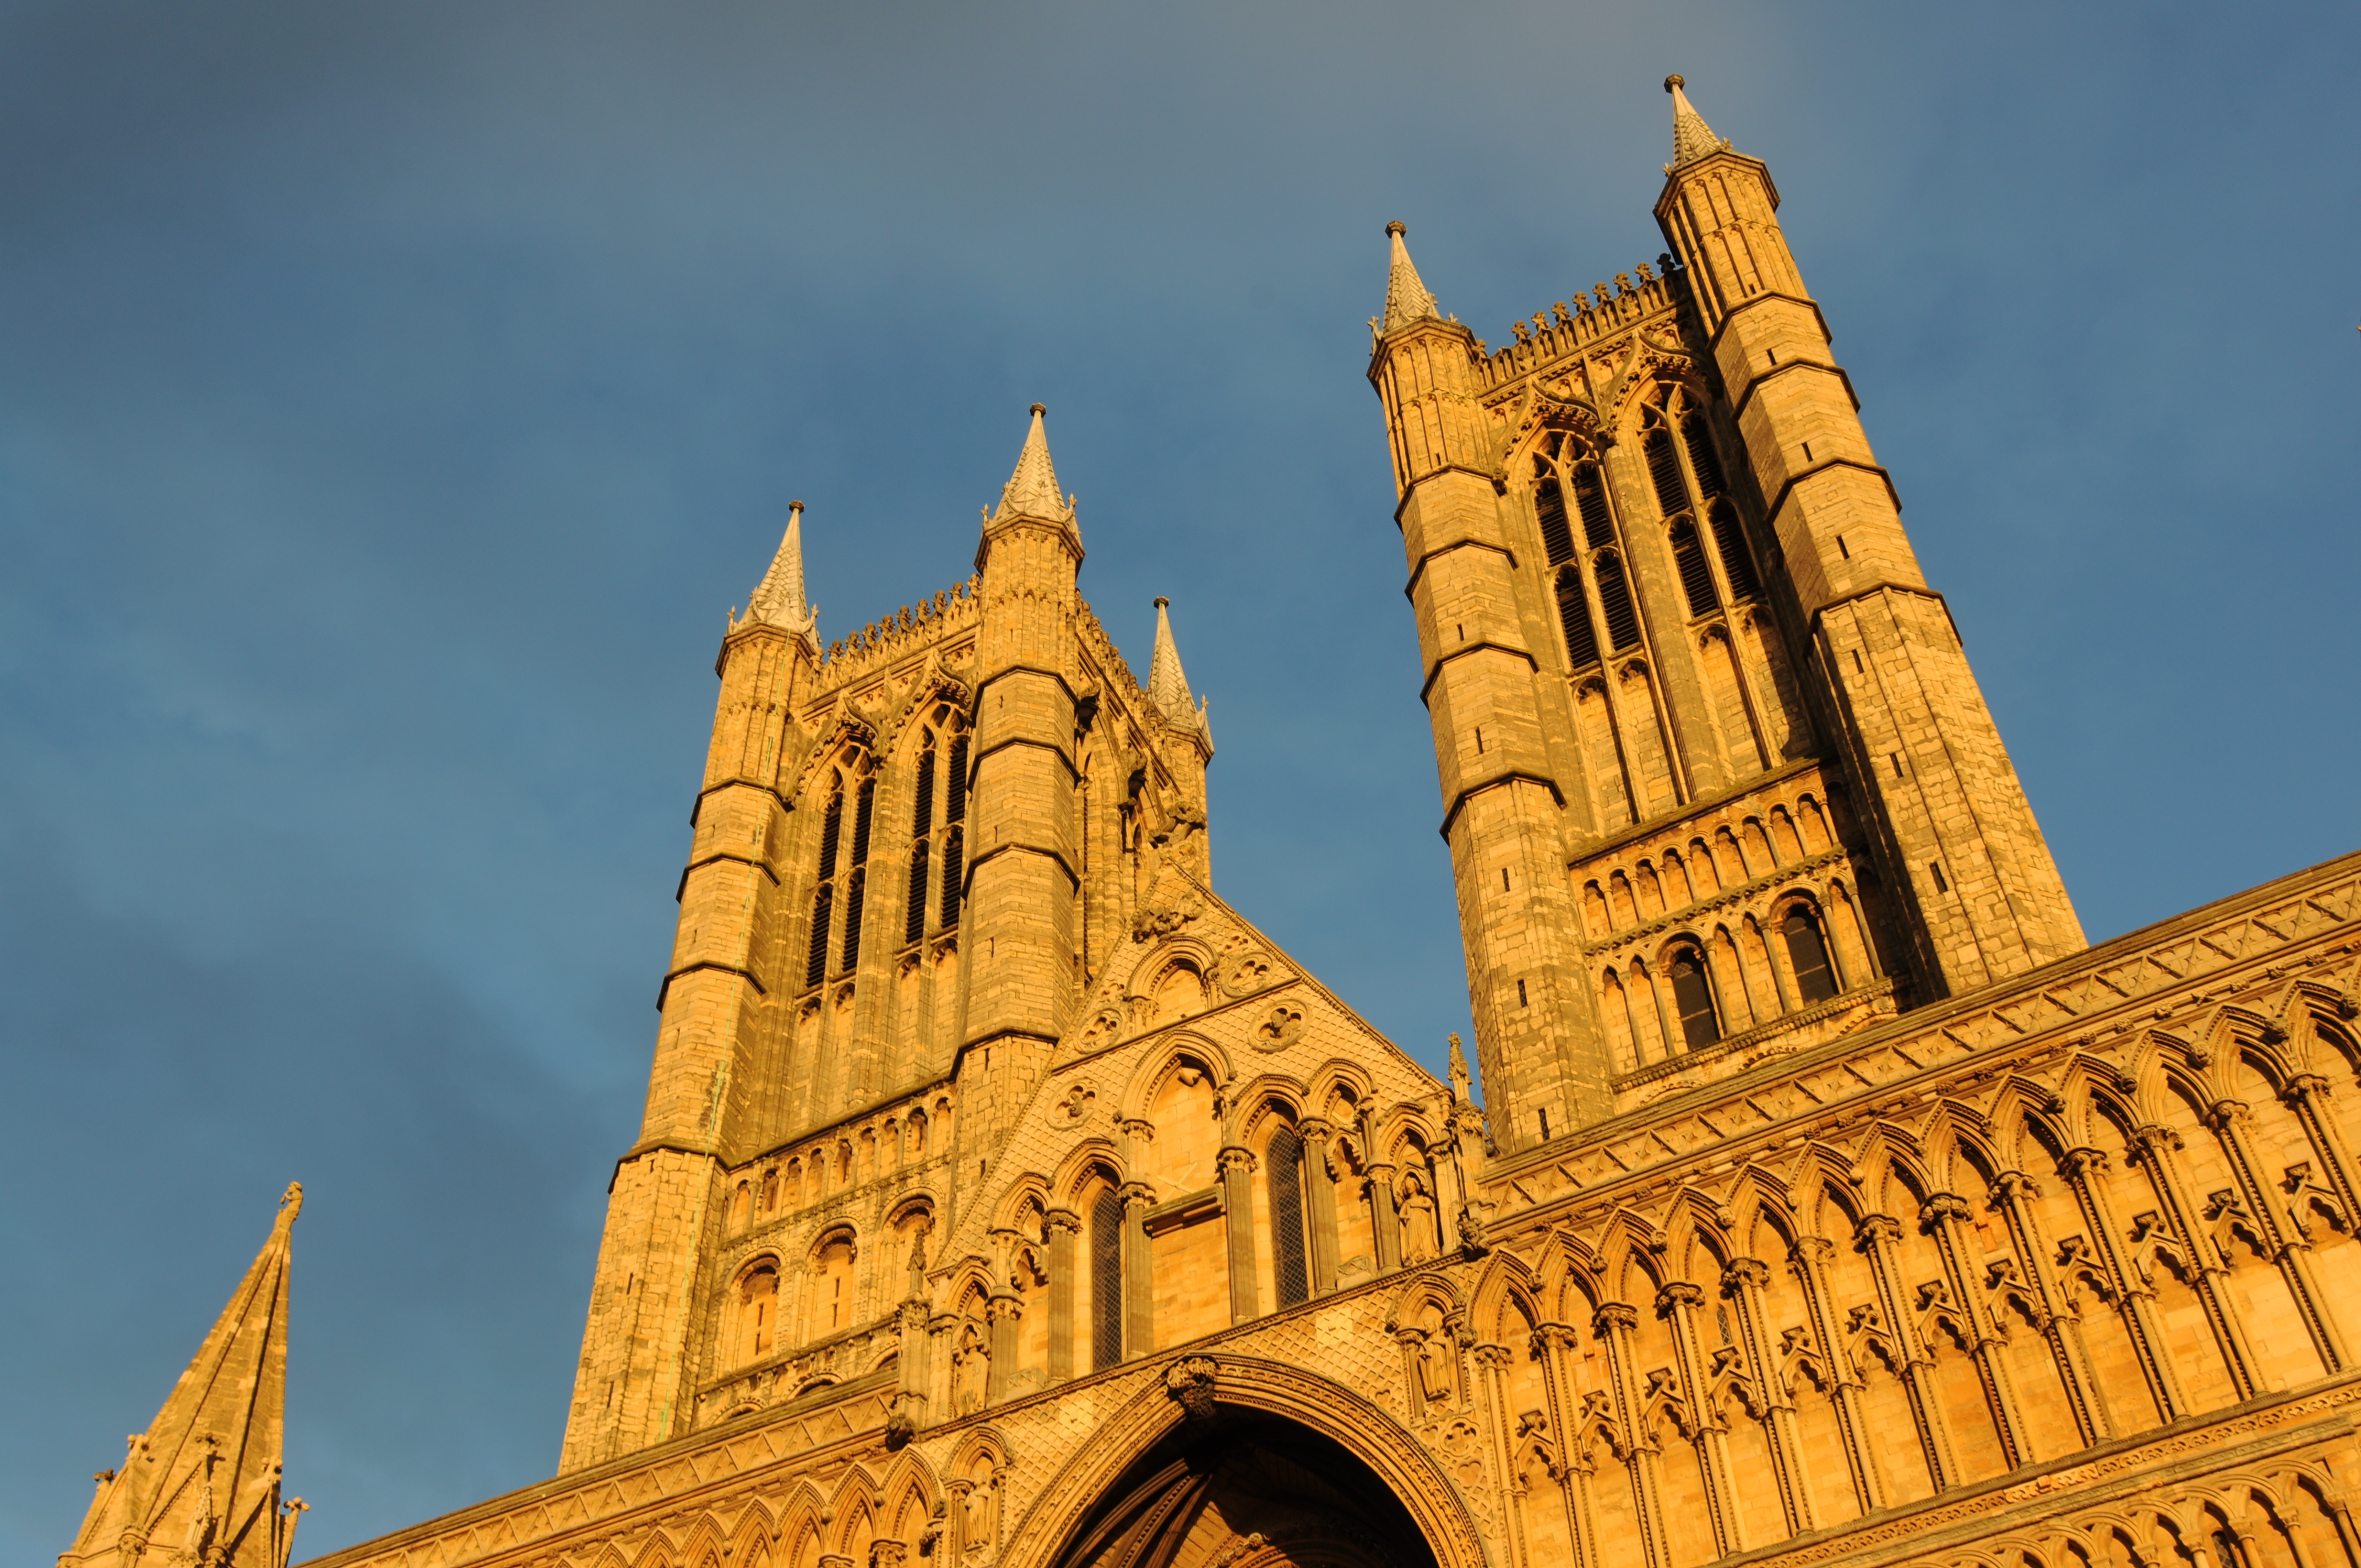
[831, 829]
[1106, 1279]
[856, 878]
[1577, 521]
[1283, 1177]
[1697, 576]
[954, 815]
[1693, 995]
[1808, 951]
[922, 825]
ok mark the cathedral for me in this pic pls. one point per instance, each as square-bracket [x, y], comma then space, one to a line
[1810, 1190]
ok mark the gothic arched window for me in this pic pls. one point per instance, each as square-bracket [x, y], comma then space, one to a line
[1808, 954]
[1702, 462]
[1574, 615]
[1106, 1279]
[954, 814]
[831, 1299]
[1665, 470]
[831, 829]
[856, 881]
[1549, 506]
[1615, 603]
[1693, 995]
[1730, 542]
[1590, 496]
[1283, 1177]
[1697, 575]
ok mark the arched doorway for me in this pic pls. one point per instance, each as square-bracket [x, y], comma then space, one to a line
[1244, 1489]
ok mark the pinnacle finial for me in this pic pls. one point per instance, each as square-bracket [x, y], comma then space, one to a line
[1032, 489]
[1168, 687]
[1407, 300]
[779, 599]
[1692, 137]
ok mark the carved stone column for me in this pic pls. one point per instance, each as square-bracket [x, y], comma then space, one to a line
[1554, 1345]
[1808, 1257]
[1879, 1236]
[887, 1553]
[1320, 1202]
[1138, 1272]
[940, 1328]
[1678, 1303]
[1002, 1312]
[2154, 1146]
[2290, 1249]
[1743, 1283]
[1947, 1218]
[1615, 1323]
[1236, 1166]
[2013, 1192]
[1385, 1222]
[1062, 1227]
[2131, 1293]
[1492, 1362]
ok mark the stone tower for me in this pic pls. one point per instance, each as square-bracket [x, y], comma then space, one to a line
[1006, 1198]
[1716, 776]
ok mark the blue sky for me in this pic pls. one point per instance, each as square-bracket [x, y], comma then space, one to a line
[393, 397]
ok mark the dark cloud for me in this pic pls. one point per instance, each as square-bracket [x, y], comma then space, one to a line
[392, 398]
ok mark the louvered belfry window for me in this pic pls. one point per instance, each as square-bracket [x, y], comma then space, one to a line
[1106, 1280]
[1729, 540]
[1590, 495]
[1615, 604]
[922, 825]
[1283, 1177]
[1574, 615]
[856, 881]
[954, 814]
[831, 824]
[1665, 470]
[1549, 504]
[1696, 574]
[1703, 462]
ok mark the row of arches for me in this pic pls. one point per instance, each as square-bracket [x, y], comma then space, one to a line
[1949, 1302]
[896, 1139]
[1706, 984]
[1670, 876]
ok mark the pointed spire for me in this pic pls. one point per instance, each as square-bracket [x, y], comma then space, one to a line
[1406, 298]
[779, 599]
[1032, 489]
[1167, 688]
[1692, 137]
[203, 1480]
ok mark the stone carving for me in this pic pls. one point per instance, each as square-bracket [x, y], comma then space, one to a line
[1190, 1382]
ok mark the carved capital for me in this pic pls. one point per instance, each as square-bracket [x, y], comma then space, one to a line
[2084, 1163]
[2154, 1137]
[1613, 1315]
[887, 1553]
[2302, 1087]
[999, 1307]
[1234, 1158]
[1679, 1293]
[2012, 1186]
[1063, 1221]
[1493, 1355]
[1136, 1196]
[1877, 1229]
[1810, 1252]
[2225, 1113]
[1943, 1206]
[1742, 1272]
[1314, 1130]
[1561, 1336]
[1190, 1384]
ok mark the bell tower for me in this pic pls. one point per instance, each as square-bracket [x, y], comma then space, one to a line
[1967, 863]
[1717, 779]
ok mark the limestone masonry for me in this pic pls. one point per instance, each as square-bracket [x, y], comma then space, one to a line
[1007, 1200]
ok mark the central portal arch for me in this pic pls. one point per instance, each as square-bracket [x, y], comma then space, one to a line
[1246, 1489]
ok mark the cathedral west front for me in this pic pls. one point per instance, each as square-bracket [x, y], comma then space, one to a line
[1809, 1191]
